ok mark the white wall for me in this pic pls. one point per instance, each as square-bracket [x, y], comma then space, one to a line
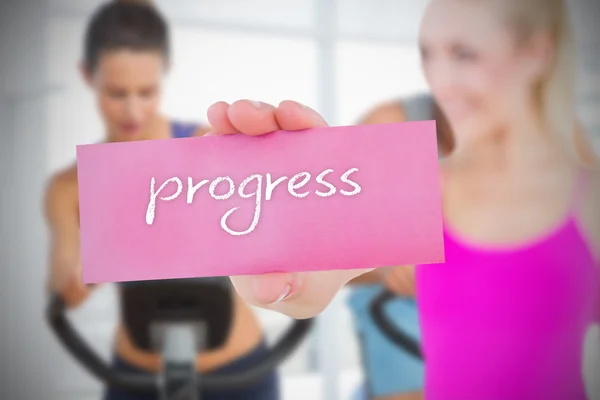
[26, 346]
[585, 22]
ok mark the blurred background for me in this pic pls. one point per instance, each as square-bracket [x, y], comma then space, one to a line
[339, 57]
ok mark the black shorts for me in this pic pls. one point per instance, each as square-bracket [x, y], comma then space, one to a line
[267, 389]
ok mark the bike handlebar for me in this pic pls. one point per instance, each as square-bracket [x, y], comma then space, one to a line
[79, 349]
[394, 333]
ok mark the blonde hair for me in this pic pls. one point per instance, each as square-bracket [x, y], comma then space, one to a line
[555, 94]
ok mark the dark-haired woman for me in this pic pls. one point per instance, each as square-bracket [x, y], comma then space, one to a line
[126, 58]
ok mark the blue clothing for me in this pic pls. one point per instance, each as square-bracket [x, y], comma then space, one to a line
[388, 369]
[182, 130]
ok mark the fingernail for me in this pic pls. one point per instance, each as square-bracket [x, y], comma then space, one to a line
[210, 133]
[255, 104]
[287, 292]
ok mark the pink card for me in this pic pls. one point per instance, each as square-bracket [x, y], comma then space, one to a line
[320, 199]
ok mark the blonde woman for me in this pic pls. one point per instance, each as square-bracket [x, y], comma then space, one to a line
[507, 315]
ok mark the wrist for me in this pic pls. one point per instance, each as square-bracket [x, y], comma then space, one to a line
[383, 272]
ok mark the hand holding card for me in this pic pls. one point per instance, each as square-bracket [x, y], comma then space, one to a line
[334, 201]
[298, 294]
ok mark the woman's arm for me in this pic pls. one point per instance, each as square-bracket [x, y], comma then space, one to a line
[61, 216]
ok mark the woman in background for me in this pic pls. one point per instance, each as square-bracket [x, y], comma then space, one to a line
[510, 314]
[392, 373]
[125, 61]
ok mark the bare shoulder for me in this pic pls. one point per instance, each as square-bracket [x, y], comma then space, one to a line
[590, 210]
[63, 180]
[61, 191]
[387, 112]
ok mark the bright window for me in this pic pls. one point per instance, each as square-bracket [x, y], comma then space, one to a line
[368, 74]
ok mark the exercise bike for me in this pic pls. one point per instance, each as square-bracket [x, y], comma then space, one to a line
[179, 319]
[394, 333]
[390, 330]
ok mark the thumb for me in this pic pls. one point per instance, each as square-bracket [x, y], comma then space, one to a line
[262, 290]
[298, 295]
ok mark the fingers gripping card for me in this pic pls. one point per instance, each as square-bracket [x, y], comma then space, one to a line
[319, 199]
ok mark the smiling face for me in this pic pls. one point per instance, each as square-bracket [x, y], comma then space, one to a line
[128, 90]
[479, 74]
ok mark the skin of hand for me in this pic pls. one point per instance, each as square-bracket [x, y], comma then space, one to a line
[399, 280]
[298, 295]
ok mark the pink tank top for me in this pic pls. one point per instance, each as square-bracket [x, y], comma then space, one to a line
[509, 323]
